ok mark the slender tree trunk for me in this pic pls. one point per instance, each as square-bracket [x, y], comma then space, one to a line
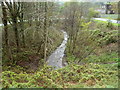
[16, 33]
[14, 10]
[76, 34]
[72, 32]
[22, 29]
[45, 31]
[7, 48]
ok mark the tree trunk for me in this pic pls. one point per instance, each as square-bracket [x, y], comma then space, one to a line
[16, 33]
[22, 29]
[45, 31]
[5, 20]
[13, 9]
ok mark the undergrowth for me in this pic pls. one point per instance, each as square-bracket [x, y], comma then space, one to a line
[79, 76]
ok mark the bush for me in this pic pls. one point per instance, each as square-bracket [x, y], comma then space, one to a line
[93, 13]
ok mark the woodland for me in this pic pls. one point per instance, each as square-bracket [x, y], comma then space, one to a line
[32, 31]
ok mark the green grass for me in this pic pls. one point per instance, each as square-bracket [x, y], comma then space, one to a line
[105, 22]
[103, 58]
[110, 16]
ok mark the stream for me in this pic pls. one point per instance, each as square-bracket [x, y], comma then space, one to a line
[55, 59]
[1, 24]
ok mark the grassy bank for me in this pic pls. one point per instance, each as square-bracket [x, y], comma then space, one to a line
[73, 76]
[96, 46]
[105, 22]
[110, 16]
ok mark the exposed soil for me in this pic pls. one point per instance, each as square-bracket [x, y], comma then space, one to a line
[32, 64]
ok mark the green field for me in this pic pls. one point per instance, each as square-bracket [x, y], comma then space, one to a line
[105, 22]
[110, 16]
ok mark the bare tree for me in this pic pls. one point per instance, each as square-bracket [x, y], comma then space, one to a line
[14, 8]
[81, 44]
[5, 22]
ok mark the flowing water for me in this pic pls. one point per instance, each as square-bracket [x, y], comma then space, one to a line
[1, 24]
[55, 59]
